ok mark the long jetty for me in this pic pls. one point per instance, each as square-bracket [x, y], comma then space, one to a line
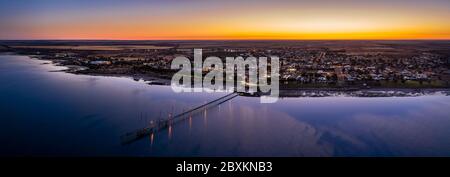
[161, 124]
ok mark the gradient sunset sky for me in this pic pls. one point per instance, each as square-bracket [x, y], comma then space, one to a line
[230, 19]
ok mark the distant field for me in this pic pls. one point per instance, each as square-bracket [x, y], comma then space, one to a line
[90, 47]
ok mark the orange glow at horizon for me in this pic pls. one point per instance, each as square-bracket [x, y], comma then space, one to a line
[225, 33]
[215, 21]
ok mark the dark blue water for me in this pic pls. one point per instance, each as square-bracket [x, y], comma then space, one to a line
[56, 113]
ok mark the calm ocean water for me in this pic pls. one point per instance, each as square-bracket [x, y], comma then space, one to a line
[46, 113]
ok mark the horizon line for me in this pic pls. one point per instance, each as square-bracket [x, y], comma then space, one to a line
[81, 39]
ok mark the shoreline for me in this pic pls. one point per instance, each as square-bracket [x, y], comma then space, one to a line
[284, 92]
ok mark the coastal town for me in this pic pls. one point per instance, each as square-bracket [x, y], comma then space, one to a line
[308, 67]
[224, 88]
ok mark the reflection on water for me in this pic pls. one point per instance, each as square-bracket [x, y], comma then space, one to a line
[152, 137]
[55, 113]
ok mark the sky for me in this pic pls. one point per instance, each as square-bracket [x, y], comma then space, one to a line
[227, 19]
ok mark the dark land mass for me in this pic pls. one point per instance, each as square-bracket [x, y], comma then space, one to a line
[305, 65]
